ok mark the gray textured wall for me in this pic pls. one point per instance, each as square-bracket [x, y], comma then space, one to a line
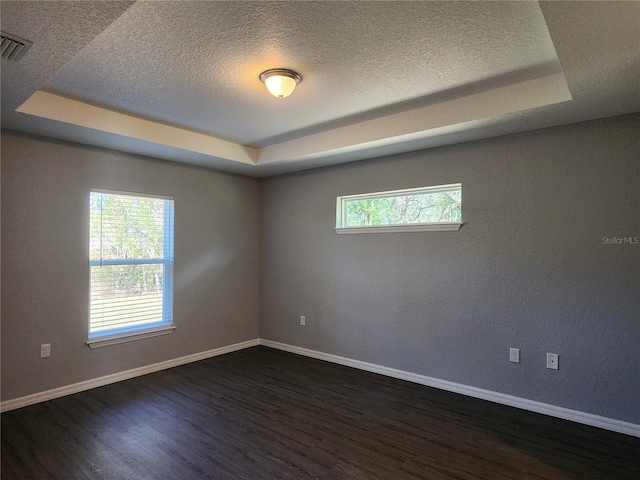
[527, 270]
[45, 274]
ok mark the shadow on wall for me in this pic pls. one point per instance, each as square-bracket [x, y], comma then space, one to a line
[213, 264]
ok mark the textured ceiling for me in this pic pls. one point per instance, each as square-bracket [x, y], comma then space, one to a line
[56, 42]
[378, 77]
[354, 57]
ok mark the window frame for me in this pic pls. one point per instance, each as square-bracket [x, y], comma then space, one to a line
[164, 327]
[343, 200]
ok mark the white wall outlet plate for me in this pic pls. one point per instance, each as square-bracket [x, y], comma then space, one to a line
[45, 350]
[514, 355]
[303, 320]
[552, 361]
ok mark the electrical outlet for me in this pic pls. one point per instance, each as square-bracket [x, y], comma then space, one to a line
[45, 350]
[303, 320]
[552, 361]
[514, 355]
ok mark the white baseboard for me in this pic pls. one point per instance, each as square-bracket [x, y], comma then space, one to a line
[533, 406]
[117, 377]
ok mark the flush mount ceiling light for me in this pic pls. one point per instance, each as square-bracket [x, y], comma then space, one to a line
[280, 82]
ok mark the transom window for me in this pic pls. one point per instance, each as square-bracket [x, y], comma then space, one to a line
[131, 264]
[415, 209]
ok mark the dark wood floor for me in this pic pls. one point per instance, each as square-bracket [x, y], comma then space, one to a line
[264, 414]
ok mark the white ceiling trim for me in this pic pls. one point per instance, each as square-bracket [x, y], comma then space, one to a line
[62, 109]
[410, 125]
[422, 122]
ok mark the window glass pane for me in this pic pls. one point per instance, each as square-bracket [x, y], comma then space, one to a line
[131, 262]
[397, 209]
[124, 296]
[126, 227]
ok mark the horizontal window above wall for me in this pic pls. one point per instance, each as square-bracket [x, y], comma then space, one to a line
[436, 208]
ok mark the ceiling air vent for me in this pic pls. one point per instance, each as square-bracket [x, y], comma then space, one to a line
[14, 48]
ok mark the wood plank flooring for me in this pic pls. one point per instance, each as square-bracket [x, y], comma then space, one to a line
[264, 414]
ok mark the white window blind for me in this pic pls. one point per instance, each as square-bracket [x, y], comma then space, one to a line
[131, 263]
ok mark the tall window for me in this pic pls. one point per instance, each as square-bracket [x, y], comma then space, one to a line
[414, 209]
[131, 263]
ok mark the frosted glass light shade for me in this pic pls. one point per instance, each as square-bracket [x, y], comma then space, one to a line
[280, 82]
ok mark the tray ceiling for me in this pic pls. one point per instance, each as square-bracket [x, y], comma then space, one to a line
[179, 80]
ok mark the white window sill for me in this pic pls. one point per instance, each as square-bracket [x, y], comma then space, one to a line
[130, 336]
[423, 227]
